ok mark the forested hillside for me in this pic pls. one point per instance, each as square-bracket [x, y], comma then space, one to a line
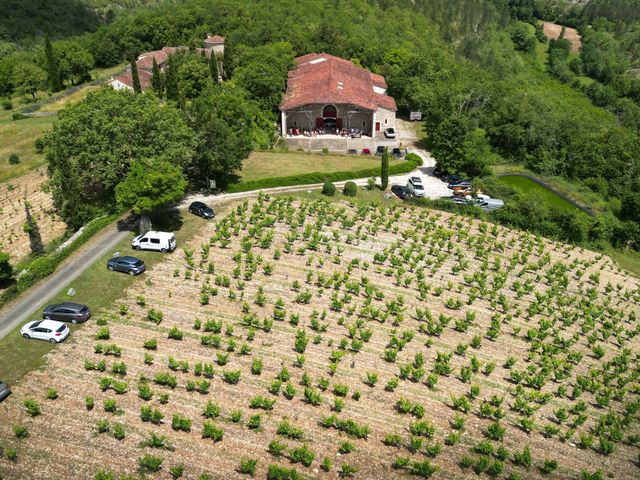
[469, 65]
[25, 20]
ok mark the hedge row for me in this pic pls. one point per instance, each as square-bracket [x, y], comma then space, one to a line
[412, 161]
[44, 266]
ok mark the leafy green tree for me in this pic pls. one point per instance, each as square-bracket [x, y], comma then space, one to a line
[223, 119]
[384, 169]
[6, 270]
[193, 77]
[171, 79]
[28, 79]
[157, 80]
[523, 36]
[74, 61]
[51, 62]
[150, 185]
[94, 142]
[135, 78]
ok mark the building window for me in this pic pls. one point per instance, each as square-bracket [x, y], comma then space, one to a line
[329, 111]
[295, 123]
[385, 121]
[364, 124]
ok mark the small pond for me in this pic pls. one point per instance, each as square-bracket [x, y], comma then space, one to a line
[526, 185]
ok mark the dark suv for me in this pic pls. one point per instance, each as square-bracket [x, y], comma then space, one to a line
[201, 210]
[126, 264]
[67, 312]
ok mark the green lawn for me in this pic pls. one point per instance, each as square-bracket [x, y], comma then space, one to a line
[98, 288]
[526, 185]
[262, 165]
[18, 136]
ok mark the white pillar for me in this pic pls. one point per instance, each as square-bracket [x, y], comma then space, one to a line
[283, 117]
[373, 124]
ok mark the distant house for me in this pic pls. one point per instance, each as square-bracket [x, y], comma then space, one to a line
[326, 94]
[214, 45]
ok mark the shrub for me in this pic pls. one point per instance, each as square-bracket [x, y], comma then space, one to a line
[177, 471]
[89, 403]
[248, 466]
[276, 472]
[328, 189]
[103, 334]
[118, 431]
[287, 430]
[20, 431]
[211, 410]
[209, 430]
[302, 455]
[232, 377]
[6, 270]
[110, 405]
[175, 333]
[14, 159]
[350, 189]
[180, 423]
[150, 463]
[276, 447]
[52, 394]
[33, 408]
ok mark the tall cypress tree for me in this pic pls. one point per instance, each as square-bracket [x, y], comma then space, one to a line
[156, 79]
[53, 73]
[384, 169]
[135, 79]
[171, 79]
[31, 228]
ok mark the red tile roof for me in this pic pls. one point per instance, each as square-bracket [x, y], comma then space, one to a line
[324, 78]
[215, 39]
[145, 60]
[125, 78]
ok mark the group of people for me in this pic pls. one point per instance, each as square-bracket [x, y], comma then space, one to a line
[314, 132]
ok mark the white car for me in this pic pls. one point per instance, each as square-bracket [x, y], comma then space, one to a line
[389, 132]
[415, 187]
[159, 241]
[50, 330]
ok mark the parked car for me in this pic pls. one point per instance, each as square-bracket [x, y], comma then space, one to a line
[5, 391]
[126, 264]
[158, 241]
[352, 151]
[201, 210]
[415, 187]
[366, 151]
[380, 149]
[67, 312]
[459, 184]
[488, 204]
[398, 152]
[400, 191]
[389, 132]
[49, 330]
[453, 179]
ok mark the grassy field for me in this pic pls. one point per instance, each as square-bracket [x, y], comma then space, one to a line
[18, 137]
[97, 287]
[526, 185]
[262, 165]
[343, 339]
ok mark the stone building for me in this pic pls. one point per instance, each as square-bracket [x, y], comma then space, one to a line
[326, 94]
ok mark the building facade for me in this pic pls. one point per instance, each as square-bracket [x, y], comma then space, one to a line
[327, 94]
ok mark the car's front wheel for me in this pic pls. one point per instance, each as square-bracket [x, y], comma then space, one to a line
[137, 247]
[26, 335]
[52, 340]
[132, 273]
[110, 267]
[74, 321]
[47, 317]
[163, 250]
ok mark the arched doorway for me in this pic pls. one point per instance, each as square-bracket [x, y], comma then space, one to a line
[329, 111]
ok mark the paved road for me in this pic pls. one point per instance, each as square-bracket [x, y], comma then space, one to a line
[22, 310]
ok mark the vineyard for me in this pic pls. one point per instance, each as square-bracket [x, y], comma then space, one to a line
[309, 339]
[13, 238]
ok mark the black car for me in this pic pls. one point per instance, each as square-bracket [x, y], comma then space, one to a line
[400, 191]
[126, 264]
[460, 184]
[397, 152]
[452, 178]
[67, 312]
[5, 391]
[380, 149]
[201, 210]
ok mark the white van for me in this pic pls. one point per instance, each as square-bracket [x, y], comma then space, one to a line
[158, 241]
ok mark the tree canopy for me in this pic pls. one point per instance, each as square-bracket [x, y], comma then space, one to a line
[93, 144]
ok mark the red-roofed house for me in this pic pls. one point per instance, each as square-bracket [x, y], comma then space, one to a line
[325, 92]
[214, 45]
